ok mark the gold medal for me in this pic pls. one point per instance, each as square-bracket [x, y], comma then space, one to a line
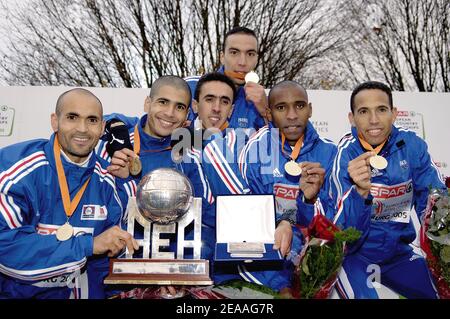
[135, 166]
[293, 168]
[64, 232]
[251, 77]
[378, 162]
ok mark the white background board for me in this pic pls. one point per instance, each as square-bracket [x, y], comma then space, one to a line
[426, 113]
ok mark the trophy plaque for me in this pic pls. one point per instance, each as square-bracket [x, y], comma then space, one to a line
[163, 205]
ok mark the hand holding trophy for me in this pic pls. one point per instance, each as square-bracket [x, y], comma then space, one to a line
[163, 201]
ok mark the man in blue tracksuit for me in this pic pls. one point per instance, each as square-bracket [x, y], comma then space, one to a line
[210, 144]
[378, 200]
[150, 137]
[214, 141]
[290, 137]
[238, 57]
[59, 208]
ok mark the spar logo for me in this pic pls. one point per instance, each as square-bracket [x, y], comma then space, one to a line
[385, 192]
[286, 191]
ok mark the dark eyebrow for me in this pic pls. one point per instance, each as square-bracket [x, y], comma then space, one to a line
[72, 114]
[236, 49]
[215, 96]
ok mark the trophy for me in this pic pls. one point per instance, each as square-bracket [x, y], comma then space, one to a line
[164, 204]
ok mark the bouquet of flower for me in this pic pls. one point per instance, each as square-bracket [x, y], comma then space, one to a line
[321, 258]
[435, 239]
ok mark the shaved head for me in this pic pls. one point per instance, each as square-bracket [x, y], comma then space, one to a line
[78, 91]
[170, 80]
[285, 85]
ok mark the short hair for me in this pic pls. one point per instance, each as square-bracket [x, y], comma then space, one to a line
[370, 85]
[60, 101]
[238, 30]
[284, 84]
[172, 81]
[212, 77]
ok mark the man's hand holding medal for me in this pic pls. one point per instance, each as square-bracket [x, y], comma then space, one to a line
[124, 160]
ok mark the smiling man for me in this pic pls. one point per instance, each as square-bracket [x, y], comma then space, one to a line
[291, 143]
[213, 101]
[381, 173]
[59, 209]
[149, 139]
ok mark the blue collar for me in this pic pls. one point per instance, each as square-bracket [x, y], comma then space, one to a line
[72, 171]
[311, 136]
[149, 142]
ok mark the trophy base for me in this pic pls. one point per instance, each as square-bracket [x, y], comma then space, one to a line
[159, 272]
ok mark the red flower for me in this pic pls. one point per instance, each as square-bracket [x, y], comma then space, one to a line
[321, 227]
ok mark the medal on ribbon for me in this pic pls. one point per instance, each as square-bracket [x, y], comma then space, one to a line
[291, 167]
[66, 231]
[135, 166]
[377, 161]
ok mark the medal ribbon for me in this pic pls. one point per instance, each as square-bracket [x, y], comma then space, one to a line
[224, 126]
[235, 75]
[296, 151]
[69, 206]
[369, 147]
[137, 144]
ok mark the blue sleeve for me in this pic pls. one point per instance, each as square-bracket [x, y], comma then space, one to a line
[194, 172]
[352, 210]
[305, 211]
[192, 82]
[27, 255]
[325, 204]
[221, 167]
[254, 179]
[257, 119]
[425, 175]
[127, 120]
[249, 166]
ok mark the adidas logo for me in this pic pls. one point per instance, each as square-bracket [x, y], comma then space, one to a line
[276, 173]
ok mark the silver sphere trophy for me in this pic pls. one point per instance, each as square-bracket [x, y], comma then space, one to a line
[164, 204]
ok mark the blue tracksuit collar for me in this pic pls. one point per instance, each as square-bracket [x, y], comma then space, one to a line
[310, 139]
[75, 174]
[148, 142]
[196, 130]
[239, 90]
